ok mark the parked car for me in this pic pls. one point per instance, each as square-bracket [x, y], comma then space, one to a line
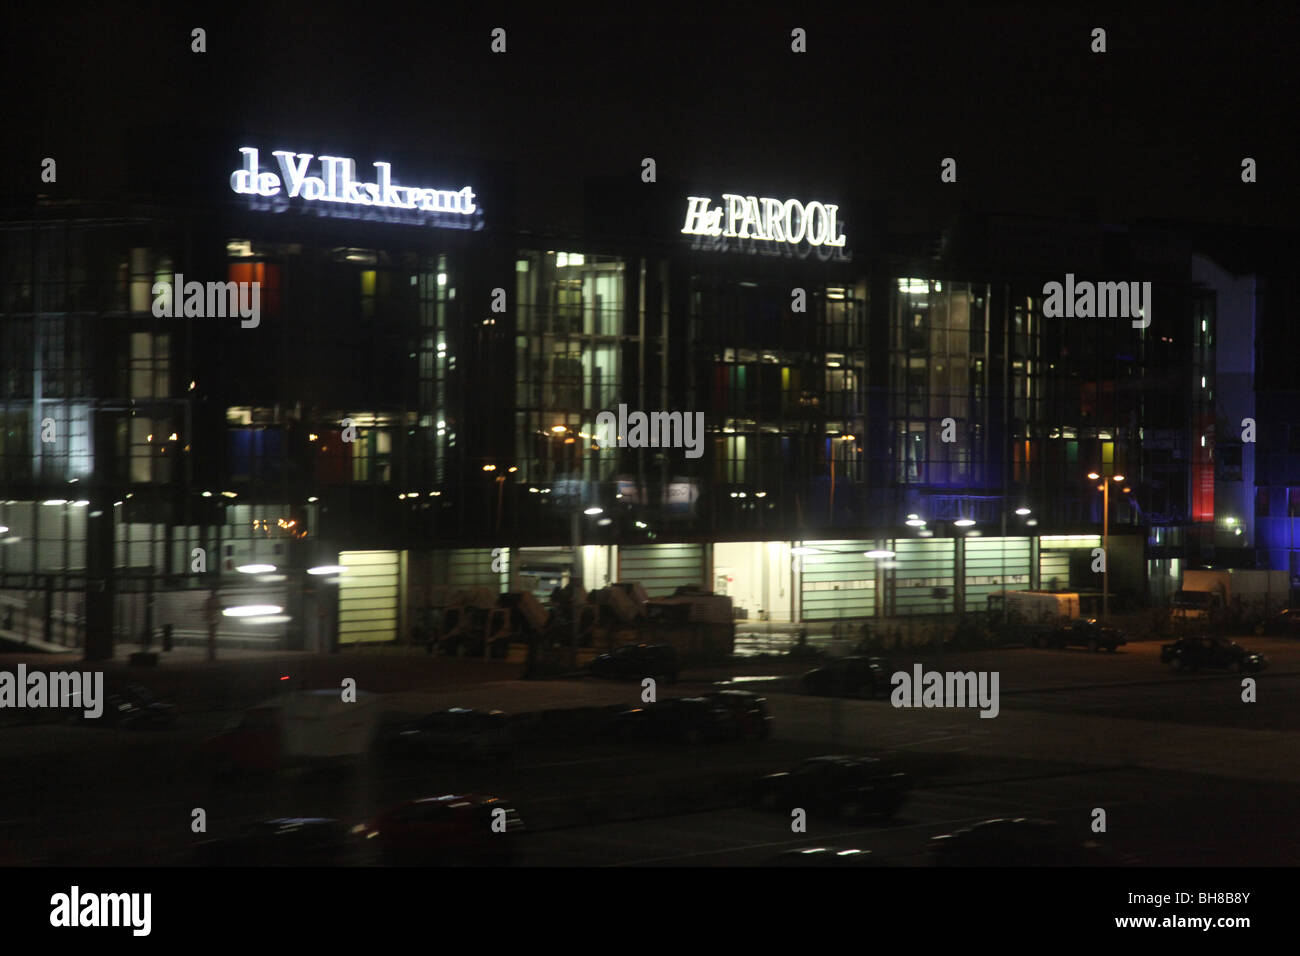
[456, 733]
[823, 856]
[850, 788]
[690, 720]
[638, 661]
[1084, 632]
[749, 710]
[1194, 653]
[849, 677]
[288, 841]
[455, 828]
[1285, 623]
[1016, 842]
[133, 707]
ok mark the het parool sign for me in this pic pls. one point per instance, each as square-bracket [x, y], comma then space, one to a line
[765, 225]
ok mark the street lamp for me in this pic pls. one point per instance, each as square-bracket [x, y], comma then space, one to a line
[1024, 511]
[1104, 488]
[576, 531]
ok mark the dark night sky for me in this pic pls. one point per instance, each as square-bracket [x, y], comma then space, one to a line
[1156, 127]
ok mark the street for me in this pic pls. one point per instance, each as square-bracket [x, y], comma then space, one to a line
[1187, 774]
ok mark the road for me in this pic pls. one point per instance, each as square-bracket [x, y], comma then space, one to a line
[1187, 773]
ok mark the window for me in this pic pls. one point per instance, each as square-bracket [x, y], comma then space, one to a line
[267, 274]
[372, 455]
[150, 365]
[151, 449]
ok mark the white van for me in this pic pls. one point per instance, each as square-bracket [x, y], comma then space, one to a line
[1037, 609]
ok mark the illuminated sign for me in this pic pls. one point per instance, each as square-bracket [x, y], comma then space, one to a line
[767, 220]
[336, 183]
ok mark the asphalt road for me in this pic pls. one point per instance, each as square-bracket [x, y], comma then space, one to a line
[1187, 773]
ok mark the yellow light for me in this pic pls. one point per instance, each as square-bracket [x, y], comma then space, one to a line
[489, 467]
[1119, 478]
[512, 469]
[1093, 475]
[558, 429]
[172, 437]
[312, 437]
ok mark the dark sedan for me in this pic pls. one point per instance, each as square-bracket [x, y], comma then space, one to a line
[289, 841]
[1215, 653]
[1016, 842]
[690, 720]
[451, 829]
[851, 789]
[849, 677]
[823, 856]
[749, 709]
[1085, 632]
[456, 734]
[638, 661]
[1285, 623]
[133, 707]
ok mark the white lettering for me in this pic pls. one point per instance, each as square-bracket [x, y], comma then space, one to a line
[751, 218]
[337, 183]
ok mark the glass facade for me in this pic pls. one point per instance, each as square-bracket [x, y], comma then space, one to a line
[400, 390]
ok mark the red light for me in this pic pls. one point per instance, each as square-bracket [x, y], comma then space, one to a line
[285, 677]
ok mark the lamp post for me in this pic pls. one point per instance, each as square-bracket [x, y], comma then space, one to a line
[1023, 512]
[1104, 488]
[576, 529]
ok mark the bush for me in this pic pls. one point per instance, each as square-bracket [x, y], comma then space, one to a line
[972, 634]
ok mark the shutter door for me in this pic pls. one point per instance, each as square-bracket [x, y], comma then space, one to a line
[662, 568]
[368, 594]
[839, 582]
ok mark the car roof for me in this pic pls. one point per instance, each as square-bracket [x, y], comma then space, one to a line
[282, 822]
[1010, 822]
[448, 799]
